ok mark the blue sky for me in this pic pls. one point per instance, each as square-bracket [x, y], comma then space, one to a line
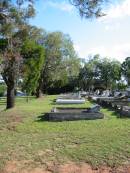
[108, 36]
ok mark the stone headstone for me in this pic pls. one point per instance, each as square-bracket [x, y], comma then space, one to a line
[106, 93]
[125, 111]
[54, 110]
[94, 109]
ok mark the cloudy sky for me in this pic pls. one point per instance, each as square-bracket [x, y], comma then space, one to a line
[109, 36]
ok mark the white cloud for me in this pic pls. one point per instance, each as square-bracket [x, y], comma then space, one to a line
[119, 52]
[63, 6]
[118, 11]
[112, 27]
[113, 20]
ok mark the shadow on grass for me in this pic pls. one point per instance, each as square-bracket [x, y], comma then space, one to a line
[53, 103]
[41, 118]
[113, 112]
[117, 114]
[2, 103]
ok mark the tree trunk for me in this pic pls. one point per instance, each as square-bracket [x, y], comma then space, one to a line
[39, 89]
[38, 93]
[10, 96]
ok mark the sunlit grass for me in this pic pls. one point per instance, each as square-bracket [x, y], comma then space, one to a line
[97, 142]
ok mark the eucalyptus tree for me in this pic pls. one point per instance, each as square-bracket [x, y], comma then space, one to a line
[109, 72]
[67, 71]
[14, 17]
[89, 73]
[61, 61]
[52, 45]
[115, 74]
[102, 71]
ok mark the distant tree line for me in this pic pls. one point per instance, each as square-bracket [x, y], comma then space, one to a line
[104, 73]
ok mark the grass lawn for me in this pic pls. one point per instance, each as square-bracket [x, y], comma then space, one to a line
[23, 136]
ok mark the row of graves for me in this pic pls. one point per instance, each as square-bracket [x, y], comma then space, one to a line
[70, 112]
[120, 103]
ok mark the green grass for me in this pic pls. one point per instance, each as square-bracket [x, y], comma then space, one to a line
[23, 136]
[2, 89]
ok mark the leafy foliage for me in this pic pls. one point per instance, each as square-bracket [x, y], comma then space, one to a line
[33, 55]
[61, 61]
[89, 73]
[89, 8]
[110, 71]
[100, 72]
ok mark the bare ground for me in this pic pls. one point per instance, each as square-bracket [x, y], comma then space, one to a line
[71, 167]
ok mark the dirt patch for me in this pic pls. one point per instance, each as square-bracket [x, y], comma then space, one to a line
[10, 122]
[13, 122]
[21, 167]
[14, 118]
[71, 167]
[82, 168]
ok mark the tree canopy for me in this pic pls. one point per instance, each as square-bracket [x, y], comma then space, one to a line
[100, 72]
[86, 8]
[61, 61]
[89, 8]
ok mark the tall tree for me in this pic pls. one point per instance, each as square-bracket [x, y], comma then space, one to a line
[61, 61]
[109, 72]
[52, 47]
[13, 26]
[89, 73]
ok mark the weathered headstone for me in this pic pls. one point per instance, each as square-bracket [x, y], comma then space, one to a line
[94, 109]
[125, 111]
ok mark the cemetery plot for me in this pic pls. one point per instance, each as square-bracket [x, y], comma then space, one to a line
[120, 106]
[69, 114]
[74, 98]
